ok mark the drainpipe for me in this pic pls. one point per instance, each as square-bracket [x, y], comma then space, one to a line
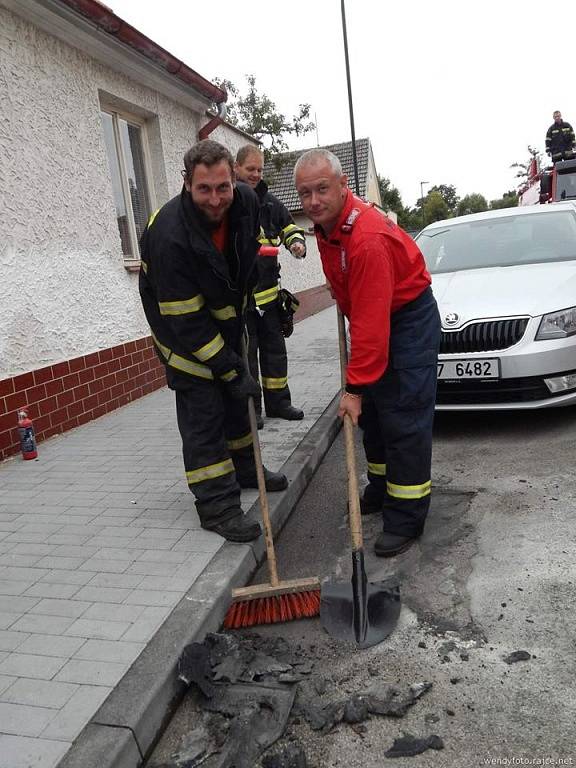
[212, 124]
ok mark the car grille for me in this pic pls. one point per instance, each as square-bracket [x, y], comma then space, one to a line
[483, 337]
[476, 392]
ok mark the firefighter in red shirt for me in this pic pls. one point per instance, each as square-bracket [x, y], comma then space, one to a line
[379, 279]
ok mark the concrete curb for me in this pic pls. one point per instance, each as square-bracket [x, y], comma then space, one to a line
[127, 725]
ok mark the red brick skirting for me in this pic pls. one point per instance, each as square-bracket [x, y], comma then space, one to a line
[312, 300]
[65, 395]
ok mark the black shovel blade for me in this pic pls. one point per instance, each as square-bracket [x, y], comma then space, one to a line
[360, 611]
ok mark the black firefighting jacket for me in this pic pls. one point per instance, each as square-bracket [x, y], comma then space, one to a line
[559, 139]
[194, 297]
[278, 228]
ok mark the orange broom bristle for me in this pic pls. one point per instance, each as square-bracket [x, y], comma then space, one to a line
[272, 610]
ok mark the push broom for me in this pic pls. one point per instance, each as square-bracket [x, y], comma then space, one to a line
[277, 601]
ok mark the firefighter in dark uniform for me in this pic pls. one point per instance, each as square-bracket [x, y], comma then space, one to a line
[266, 340]
[198, 271]
[379, 279]
[560, 139]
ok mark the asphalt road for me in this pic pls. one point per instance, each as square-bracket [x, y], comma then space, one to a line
[494, 573]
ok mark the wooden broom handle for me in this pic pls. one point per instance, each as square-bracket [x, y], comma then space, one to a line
[262, 495]
[355, 519]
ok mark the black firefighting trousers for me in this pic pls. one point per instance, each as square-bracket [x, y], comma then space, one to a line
[266, 342]
[397, 417]
[563, 154]
[217, 448]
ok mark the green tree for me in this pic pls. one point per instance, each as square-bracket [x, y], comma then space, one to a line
[434, 208]
[256, 114]
[390, 195]
[449, 195]
[474, 203]
[508, 200]
[523, 169]
[410, 219]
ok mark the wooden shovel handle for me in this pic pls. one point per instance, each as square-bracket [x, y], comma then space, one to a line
[355, 519]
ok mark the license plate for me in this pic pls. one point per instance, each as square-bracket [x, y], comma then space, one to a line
[488, 368]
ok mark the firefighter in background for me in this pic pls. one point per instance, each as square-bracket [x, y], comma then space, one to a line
[266, 340]
[198, 271]
[379, 279]
[560, 139]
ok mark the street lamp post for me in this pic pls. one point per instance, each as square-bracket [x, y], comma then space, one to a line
[422, 200]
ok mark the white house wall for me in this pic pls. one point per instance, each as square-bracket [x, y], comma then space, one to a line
[299, 275]
[65, 291]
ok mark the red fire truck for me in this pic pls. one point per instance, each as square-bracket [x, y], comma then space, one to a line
[549, 185]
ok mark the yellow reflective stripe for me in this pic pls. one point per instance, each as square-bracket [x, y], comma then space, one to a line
[269, 383]
[377, 469]
[224, 313]
[144, 267]
[210, 349]
[181, 363]
[189, 366]
[292, 232]
[229, 376]
[240, 442]
[409, 491]
[210, 472]
[164, 350]
[152, 217]
[263, 240]
[183, 307]
[265, 297]
[295, 238]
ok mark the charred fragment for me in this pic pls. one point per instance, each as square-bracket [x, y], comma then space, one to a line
[409, 746]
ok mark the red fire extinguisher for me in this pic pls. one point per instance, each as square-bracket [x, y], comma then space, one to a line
[27, 436]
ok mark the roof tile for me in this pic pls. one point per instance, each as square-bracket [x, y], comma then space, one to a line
[280, 180]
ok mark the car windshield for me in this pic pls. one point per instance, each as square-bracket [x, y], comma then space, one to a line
[500, 242]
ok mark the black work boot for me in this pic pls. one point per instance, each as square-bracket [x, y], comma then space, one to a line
[287, 412]
[239, 528]
[392, 544]
[275, 481]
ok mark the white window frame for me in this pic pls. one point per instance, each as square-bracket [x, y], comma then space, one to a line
[131, 263]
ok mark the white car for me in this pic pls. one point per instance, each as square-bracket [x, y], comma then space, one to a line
[505, 283]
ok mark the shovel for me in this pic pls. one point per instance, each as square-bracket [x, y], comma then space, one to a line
[360, 611]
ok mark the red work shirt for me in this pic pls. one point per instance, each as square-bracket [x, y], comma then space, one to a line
[374, 268]
[220, 235]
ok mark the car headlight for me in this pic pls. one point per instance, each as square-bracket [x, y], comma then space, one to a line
[557, 325]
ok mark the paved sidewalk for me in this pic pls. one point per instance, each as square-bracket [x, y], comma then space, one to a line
[100, 542]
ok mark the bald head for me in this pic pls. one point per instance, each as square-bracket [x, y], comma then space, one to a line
[318, 156]
[321, 186]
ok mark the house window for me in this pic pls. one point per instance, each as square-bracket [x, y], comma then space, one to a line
[125, 140]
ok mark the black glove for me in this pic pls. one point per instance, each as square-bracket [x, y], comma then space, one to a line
[243, 386]
[287, 306]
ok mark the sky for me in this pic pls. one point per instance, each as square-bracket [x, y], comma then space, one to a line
[448, 92]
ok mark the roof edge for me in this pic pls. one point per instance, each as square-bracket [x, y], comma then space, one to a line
[234, 128]
[107, 21]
